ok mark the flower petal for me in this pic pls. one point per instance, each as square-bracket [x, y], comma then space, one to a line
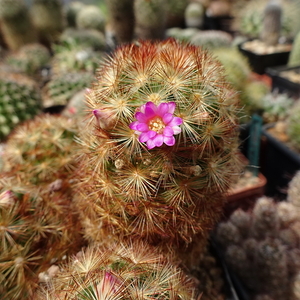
[158, 140]
[133, 125]
[141, 117]
[171, 106]
[151, 105]
[145, 136]
[142, 127]
[162, 109]
[168, 131]
[167, 118]
[150, 144]
[175, 121]
[169, 140]
[176, 129]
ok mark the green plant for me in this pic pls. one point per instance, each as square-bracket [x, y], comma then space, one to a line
[150, 19]
[91, 17]
[122, 271]
[48, 18]
[194, 15]
[30, 58]
[293, 126]
[16, 26]
[152, 184]
[294, 57]
[20, 100]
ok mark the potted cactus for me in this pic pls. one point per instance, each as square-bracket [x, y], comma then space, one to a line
[266, 51]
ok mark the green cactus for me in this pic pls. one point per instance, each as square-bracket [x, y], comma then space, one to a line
[122, 271]
[16, 26]
[71, 11]
[211, 39]
[271, 25]
[90, 38]
[194, 15]
[29, 59]
[150, 19]
[150, 193]
[91, 17]
[294, 57]
[293, 126]
[20, 100]
[48, 18]
[121, 20]
[181, 34]
[62, 87]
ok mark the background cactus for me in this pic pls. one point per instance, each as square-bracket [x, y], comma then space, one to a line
[29, 59]
[150, 19]
[71, 10]
[271, 25]
[20, 100]
[175, 13]
[48, 18]
[133, 270]
[293, 127]
[16, 26]
[121, 20]
[91, 17]
[194, 15]
[157, 191]
[294, 57]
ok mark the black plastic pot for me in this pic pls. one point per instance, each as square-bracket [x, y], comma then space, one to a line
[260, 62]
[54, 110]
[223, 23]
[279, 164]
[282, 84]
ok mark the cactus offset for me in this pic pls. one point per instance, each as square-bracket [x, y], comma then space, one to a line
[16, 26]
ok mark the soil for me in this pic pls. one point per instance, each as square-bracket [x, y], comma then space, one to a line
[259, 47]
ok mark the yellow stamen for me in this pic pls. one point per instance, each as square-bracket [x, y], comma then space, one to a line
[156, 124]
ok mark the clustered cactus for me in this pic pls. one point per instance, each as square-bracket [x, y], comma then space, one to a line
[153, 185]
[262, 246]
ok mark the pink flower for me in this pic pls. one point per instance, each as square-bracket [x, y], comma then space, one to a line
[156, 125]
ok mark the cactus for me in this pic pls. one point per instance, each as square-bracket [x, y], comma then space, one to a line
[91, 17]
[287, 213]
[62, 87]
[20, 100]
[48, 18]
[271, 25]
[236, 66]
[37, 217]
[181, 34]
[150, 18]
[177, 182]
[122, 271]
[293, 127]
[242, 220]
[194, 15]
[90, 38]
[121, 20]
[16, 26]
[71, 11]
[226, 233]
[211, 39]
[175, 13]
[293, 191]
[29, 59]
[74, 57]
[294, 57]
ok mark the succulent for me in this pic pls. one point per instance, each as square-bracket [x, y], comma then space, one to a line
[73, 56]
[242, 220]
[71, 11]
[276, 106]
[293, 126]
[122, 271]
[286, 211]
[150, 19]
[151, 183]
[293, 191]
[121, 20]
[16, 26]
[211, 39]
[20, 100]
[194, 15]
[63, 86]
[91, 17]
[30, 58]
[181, 34]
[294, 57]
[226, 233]
[48, 18]
[271, 25]
[90, 38]
[175, 13]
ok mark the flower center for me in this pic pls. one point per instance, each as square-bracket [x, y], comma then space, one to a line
[156, 124]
